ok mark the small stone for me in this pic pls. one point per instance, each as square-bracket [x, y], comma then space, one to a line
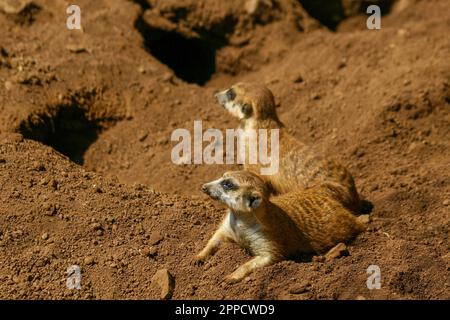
[446, 202]
[150, 252]
[14, 6]
[96, 188]
[165, 282]
[8, 85]
[89, 260]
[49, 209]
[336, 252]
[300, 288]
[298, 78]
[446, 258]
[74, 48]
[364, 218]
[413, 146]
[142, 70]
[167, 77]
[402, 32]
[38, 166]
[142, 136]
[360, 298]
[45, 236]
[155, 238]
[342, 64]
[257, 7]
[96, 226]
[315, 96]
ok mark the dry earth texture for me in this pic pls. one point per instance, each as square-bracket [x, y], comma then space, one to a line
[86, 118]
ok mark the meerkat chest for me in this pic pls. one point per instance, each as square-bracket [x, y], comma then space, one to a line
[247, 233]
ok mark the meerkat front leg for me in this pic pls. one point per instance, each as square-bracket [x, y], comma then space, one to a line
[221, 235]
[212, 246]
[248, 267]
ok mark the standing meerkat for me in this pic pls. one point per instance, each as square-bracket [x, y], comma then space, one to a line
[273, 229]
[299, 165]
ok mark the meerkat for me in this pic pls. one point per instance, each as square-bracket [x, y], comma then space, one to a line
[278, 227]
[299, 165]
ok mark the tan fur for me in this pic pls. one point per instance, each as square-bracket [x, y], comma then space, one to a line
[299, 165]
[273, 229]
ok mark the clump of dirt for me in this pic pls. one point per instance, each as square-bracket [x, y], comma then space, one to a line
[86, 117]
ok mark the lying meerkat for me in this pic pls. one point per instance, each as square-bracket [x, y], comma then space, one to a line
[273, 229]
[299, 165]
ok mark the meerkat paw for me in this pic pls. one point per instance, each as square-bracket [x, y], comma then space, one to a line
[199, 260]
[233, 278]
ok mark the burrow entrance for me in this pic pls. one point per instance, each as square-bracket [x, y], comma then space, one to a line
[191, 59]
[68, 128]
[331, 13]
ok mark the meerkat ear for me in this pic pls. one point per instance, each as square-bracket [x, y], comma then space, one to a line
[253, 200]
[246, 109]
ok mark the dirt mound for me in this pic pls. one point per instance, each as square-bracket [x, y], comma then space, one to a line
[97, 188]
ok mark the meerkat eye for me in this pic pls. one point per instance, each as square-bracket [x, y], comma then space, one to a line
[246, 109]
[231, 94]
[227, 185]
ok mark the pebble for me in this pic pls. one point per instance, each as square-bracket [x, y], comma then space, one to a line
[96, 226]
[315, 96]
[256, 7]
[89, 260]
[165, 282]
[155, 238]
[142, 70]
[49, 209]
[150, 252]
[446, 202]
[142, 136]
[14, 7]
[45, 236]
[8, 85]
[364, 218]
[300, 288]
[38, 166]
[336, 252]
[297, 78]
[74, 48]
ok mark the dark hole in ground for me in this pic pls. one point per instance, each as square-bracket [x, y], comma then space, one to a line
[193, 60]
[68, 132]
[332, 12]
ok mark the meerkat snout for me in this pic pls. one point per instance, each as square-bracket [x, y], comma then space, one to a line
[226, 96]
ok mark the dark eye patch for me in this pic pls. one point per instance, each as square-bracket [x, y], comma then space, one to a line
[227, 185]
[231, 94]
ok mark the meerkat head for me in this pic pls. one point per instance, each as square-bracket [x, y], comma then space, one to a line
[248, 101]
[241, 191]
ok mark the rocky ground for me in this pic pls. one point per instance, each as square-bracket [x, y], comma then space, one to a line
[86, 118]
